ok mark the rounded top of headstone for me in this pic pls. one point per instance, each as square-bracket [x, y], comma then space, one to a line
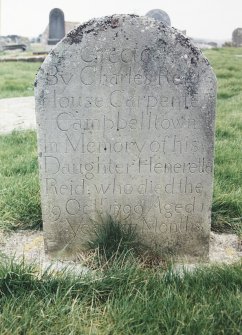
[56, 11]
[159, 15]
[166, 41]
[237, 31]
[237, 37]
[160, 47]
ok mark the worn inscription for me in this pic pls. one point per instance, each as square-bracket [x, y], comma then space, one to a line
[125, 127]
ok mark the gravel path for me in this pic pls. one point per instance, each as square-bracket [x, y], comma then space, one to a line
[224, 249]
[29, 246]
[17, 113]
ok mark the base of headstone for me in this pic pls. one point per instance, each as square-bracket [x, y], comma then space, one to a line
[53, 41]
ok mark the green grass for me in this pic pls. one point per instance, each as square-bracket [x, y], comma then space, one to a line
[227, 199]
[112, 237]
[124, 299]
[17, 79]
[19, 183]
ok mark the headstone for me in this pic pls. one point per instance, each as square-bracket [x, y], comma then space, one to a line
[125, 115]
[56, 26]
[160, 15]
[237, 37]
[14, 42]
[213, 44]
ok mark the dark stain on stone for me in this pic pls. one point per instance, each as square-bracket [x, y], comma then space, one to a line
[75, 36]
[191, 89]
[35, 83]
[162, 41]
[93, 26]
[133, 15]
[184, 41]
[194, 61]
[161, 26]
[192, 82]
[52, 53]
[89, 31]
[42, 95]
[206, 61]
[114, 22]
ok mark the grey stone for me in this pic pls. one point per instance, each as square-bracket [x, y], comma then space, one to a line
[160, 15]
[14, 42]
[125, 112]
[213, 44]
[56, 26]
[68, 27]
[237, 37]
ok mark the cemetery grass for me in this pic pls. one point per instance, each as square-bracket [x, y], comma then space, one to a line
[227, 197]
[125, 298]
[17, 79]
[19, 183]
[19, 190]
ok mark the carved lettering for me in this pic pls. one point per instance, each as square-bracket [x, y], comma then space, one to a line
[125, 116]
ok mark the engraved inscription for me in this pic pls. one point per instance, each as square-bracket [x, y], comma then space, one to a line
[126, 128]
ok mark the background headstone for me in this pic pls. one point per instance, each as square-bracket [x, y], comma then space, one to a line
[13, 42]
[125, 115]
[213, 44]
[159, 15]
[56, 26]
[237, 37]
[68, 27]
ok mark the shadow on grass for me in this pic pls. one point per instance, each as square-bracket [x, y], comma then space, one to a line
[113, 240]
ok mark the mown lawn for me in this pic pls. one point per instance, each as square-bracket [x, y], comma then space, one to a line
[19, 182]
[227, 199]
[17, 79]
[125, 299]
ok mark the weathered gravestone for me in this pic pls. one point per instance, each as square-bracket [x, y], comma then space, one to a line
[125, 113]
[237, 37]
[159, 15]
[56, 26]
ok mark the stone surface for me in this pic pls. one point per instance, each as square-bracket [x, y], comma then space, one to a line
[160, 15]
[13, 42]
[237, 37]
[125, 116]
[56, 26]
